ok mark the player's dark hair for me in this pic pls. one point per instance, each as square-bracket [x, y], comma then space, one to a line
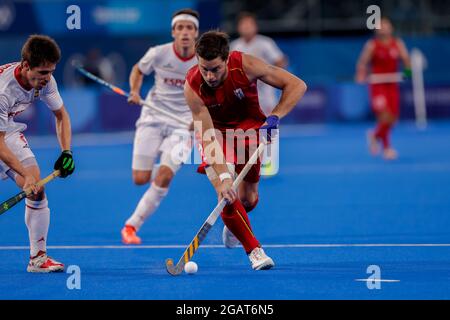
[187, 11]
[213, 44]
[246, 14]
[39, 50]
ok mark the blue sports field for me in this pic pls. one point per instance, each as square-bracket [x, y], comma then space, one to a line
[330, 213]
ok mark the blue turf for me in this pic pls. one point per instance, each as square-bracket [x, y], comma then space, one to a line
[328, 191]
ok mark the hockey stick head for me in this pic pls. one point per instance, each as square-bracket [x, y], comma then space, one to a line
[174, 269]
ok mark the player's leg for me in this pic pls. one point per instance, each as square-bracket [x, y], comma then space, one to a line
[391, 117]
[146, 145]
[37, 212]
[379, 102]
[175, 148]
[237, 222]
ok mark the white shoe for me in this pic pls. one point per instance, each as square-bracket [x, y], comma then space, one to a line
[229, 239]
[259, 259]
[44, 264]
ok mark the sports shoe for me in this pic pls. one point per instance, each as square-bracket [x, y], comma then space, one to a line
[229, 239]
[390, 154]
[372, 143]
[259, 259]
[129, 235]
[45, 264]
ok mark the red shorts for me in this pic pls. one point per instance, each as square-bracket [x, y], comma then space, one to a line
[385, 97]
[237, 152]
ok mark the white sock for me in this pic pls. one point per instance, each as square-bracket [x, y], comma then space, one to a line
[37, 219]
[147, 205]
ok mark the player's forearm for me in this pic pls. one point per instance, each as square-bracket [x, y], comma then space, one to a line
[136, 79]
[10, 159]
[211, 147]
[291, 95]
[64, 130]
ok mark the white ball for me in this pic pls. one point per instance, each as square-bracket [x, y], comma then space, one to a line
[190, 267]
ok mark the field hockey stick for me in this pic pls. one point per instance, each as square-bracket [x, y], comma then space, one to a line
[11, 202]
[212, 218]
[127, 94]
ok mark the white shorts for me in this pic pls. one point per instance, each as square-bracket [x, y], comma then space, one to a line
[17, 143]
[172, 145]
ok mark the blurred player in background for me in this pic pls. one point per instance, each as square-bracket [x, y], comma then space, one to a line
[262, 47]
[382, 54]
[266, 49]
[222, 95]
[22, 83]
[156, 134]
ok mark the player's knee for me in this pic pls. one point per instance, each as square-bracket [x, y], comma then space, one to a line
[250, 201]
[141, 178]
[164, 177]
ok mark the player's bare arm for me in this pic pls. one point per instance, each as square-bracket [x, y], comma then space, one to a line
[136, 78]
[65, 163]
[11, 161]
[363, 61]
[293, 88]
[201, 113]
[63, 128]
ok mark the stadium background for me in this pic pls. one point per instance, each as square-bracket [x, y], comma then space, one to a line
[322, 40]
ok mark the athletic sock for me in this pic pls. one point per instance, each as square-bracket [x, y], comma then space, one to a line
[147, 205]
[37, 219]
[235, 218]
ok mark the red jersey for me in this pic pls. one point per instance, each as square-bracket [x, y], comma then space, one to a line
[385, 56]
[234, 104]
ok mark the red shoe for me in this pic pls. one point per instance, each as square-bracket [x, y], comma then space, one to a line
[45, 264]
[129, 235]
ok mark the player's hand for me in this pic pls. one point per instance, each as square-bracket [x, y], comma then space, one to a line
[225, 191]
[65, 164]
[268, 129]
[407, 73]
[134, 98]
[30, 183]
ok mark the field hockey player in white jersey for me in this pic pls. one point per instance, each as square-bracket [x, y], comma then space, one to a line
[21, 83]
[157, 135]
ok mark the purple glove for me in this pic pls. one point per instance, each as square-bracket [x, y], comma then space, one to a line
[271, 124]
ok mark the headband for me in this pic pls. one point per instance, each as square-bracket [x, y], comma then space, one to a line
[186, 17]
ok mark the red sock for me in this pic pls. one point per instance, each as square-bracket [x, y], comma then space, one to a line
[382, 132]
[235, 218]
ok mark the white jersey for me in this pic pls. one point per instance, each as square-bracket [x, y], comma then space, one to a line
[14, 98]
[168, 91]
[266, 49]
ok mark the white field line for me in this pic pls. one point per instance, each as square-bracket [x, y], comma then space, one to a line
[212, 246]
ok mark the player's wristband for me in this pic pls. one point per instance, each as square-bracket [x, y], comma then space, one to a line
[225, 175]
